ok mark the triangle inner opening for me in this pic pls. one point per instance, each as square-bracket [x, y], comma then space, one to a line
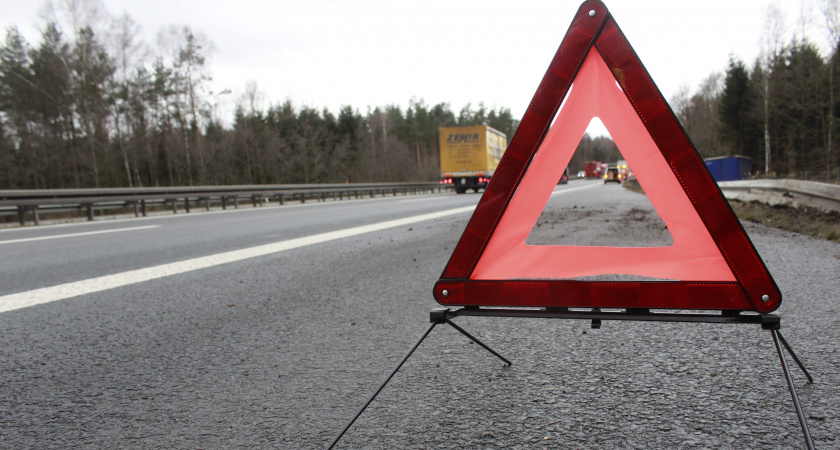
[594, 204]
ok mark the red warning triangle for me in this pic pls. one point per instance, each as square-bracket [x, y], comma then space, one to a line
[712, 262]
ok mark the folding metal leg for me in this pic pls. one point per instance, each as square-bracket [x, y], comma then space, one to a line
[462, 331]
[381, 386]
[437, 316]
[769, 322]
[776, 338]
[798, 362]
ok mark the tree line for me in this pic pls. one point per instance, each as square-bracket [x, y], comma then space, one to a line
[781, 110]
[95, 107]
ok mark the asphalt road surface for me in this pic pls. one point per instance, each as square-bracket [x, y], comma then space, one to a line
[269, 327]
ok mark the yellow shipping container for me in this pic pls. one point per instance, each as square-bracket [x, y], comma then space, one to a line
[470, 155]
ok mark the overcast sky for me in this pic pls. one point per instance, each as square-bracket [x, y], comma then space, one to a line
[329, 53]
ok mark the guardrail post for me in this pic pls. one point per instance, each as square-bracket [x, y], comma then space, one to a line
[136, 209]
[143, 207]
[235, 202]
[207, 203]
[303, 198]
[280, 199]
[89, 207]
[21, 213]
[187, 204]
[224, 202]
[174, 206]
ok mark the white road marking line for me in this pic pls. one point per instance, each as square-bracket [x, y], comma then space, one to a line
[434, 197]
[64, 291]
[566, 191]
[87, 233]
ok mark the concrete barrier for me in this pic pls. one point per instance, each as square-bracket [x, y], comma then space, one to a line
[789, 192]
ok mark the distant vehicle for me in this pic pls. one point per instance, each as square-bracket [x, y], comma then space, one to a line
[469, 156]
[623, 169]
[612, 174]
[729, 168]
[592, 169]
[563, 179]
[581, 174]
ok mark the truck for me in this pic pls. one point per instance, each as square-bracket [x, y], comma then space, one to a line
[729, 168]
[593, 169]
[469, 156]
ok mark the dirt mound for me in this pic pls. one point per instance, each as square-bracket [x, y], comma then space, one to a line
[802, 219]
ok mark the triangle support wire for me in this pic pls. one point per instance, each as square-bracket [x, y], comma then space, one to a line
[438, 316]
[771, 322]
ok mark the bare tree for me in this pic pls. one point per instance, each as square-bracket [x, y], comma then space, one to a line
[252, 100]
[771, 48]
[831, 13]
[187, 52]
[127, 51]
[698, 114]
[73, 16]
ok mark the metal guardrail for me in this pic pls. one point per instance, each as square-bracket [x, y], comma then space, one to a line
[31, 202]
[785, 191]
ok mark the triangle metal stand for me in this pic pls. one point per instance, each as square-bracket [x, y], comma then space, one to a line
[439, 316]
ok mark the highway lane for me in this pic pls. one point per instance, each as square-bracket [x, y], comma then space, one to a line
[47, 265]
[47, 256]
[277, 351]
[80, 254]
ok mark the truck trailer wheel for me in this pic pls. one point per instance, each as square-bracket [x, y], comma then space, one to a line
[460, 190]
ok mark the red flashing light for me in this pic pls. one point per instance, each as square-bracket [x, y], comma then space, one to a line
[739, 279]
